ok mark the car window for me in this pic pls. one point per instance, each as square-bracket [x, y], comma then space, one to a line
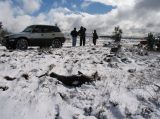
[28, 29]
[55, 29]
[49, 29]
[38, 29]
[46, 30]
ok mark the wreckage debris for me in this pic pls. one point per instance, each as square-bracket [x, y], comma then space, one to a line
[9, 78]
[131, 70]
[25, 76]
[4, 88]
[75, 80]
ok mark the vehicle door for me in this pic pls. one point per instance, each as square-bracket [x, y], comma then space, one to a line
[48, 34]
[37, 36]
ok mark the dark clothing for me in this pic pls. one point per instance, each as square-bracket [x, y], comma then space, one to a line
[82, 34]
[95, 37]
[74, 41]
[74, 33]
[82, 41]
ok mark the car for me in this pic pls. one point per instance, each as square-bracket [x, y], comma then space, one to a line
[35, 35]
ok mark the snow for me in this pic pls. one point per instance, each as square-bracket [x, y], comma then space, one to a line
[129, 85]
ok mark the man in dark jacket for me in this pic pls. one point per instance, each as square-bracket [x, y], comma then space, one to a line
[82, 34]
[74, 35]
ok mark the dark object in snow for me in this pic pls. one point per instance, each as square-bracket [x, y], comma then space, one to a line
[88, 111]
[143, 53]
[3, 55]
[9, 78]
[112, 65]
[46, 74]
[146, 112]
[4, 88]
[143, 42]
[114, 104]
[128, 113]
[75, 80]
[124, 59]
[25, 76]
[158, 88]
[132, 70]
[57, 115]
[107, 45]
[115, 50]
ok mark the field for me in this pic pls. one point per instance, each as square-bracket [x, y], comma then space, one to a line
[129, 86]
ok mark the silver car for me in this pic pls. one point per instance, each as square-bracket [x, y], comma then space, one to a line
[35, 35]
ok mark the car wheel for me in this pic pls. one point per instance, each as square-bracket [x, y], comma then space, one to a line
[22, 44]
[56, 43]
[9, 47]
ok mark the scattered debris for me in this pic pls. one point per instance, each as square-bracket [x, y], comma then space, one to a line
[25, 76]
[131, 70]
[9, 78]
[4, 88]
[127, 113]
[113, 103]
[146, 112]
[76, 80]
[57, 115]
[88, 111]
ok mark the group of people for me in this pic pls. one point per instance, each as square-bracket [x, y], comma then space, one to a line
[82, 34]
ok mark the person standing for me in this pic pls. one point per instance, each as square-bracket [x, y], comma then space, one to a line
[74, 35]
[80, 32]
[84, 36]
[95, 37]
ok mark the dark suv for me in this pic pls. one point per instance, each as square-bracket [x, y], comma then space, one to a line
[35, 35]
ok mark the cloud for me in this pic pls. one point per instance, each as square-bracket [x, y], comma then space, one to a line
[136, 19]
[30, 6]
[115, 2]
[15, 19]
[85, 4]
[147, 5]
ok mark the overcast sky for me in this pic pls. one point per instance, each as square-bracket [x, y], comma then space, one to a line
[135, 17]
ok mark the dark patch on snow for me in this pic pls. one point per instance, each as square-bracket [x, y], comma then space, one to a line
[4, 88]
[25, 76]
[9, 78]
[76, 80]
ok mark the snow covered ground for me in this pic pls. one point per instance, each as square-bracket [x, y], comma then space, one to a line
[129, 85]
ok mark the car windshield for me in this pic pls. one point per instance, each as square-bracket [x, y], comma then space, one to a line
[28, 29]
